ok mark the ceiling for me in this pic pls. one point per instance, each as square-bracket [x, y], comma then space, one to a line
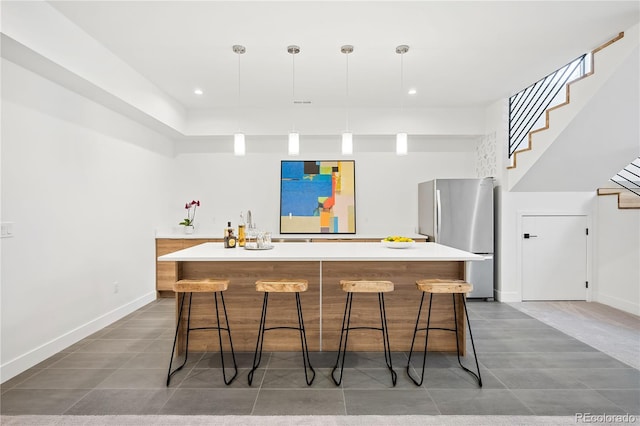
[462, 54]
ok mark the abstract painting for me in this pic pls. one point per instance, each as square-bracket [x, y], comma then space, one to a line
[317, 197]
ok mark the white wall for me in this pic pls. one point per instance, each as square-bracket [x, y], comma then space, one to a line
[85, 189]
[617, 267]
[386, 184]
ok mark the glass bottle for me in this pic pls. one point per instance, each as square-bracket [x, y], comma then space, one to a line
[229, 237]
[241, 233]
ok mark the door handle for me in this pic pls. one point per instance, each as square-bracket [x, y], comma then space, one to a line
[527, 236]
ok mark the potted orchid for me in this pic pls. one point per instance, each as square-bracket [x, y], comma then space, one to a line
[191, 215]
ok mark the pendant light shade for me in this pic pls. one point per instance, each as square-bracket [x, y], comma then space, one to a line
[347, 143]
[238, 138]
[401, 137]
[294, 143]
[401, 144]
[238, 144]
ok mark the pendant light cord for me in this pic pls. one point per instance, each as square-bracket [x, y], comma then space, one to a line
[346, 101]
[401, 50]
[293, 91]
[238, 50]
[293, 50]
[238, 105]
[401, 84]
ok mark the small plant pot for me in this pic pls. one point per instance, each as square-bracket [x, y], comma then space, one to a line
[188, 229]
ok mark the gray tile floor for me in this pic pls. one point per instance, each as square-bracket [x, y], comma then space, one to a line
[528, 368]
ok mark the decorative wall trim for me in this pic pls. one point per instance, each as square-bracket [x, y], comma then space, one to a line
[486, 149]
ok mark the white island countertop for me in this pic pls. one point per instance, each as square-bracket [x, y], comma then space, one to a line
[327, 251]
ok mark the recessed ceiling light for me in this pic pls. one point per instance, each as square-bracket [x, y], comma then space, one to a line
[412, 91]
[198, 91]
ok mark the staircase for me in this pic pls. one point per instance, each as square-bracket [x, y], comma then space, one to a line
[628, 189]
[626, 198]
[629, 177]
[592, 132]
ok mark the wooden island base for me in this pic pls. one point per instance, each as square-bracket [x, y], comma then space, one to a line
[323, 304]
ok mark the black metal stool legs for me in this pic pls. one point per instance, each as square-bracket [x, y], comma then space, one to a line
[342, 349]
[426, 339]
[385, 337]
[303, 342]
[464, 304]
[189, 329]
[175, 339]
[220, 328]
[343, 333]
[257, 356]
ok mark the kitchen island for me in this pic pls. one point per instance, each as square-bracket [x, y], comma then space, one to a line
[171, 241]
[323, 265]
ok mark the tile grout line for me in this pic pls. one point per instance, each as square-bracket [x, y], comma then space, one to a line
[264, 375]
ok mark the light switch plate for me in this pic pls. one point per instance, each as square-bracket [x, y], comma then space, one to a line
[6, 229]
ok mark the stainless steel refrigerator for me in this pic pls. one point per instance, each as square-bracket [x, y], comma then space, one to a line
[459, 213]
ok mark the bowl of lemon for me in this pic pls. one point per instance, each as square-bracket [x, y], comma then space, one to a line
[396, 241]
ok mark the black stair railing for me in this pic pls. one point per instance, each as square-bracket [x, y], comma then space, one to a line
[527, 107]
[629, 177]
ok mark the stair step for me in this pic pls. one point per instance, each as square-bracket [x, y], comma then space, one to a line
[626, 198]
[611, 191]
[629, 201]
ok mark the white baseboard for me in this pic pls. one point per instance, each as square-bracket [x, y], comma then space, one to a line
[24, 362]
[507, 296]
[618, 303]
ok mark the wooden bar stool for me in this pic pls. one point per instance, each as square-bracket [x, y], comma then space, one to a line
[363, 286]
[282, 286]
[184, 287]
[452, 287]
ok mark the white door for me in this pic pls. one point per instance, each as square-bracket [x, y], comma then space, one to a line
[554, 257]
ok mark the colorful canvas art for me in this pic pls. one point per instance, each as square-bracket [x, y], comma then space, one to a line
[317, 197]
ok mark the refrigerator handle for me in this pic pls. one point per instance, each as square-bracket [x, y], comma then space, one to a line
[438, 215]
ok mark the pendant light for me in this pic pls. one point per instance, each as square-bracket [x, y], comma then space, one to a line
[294, 137]
[347, 136]
[238, 137]
[401, 138]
